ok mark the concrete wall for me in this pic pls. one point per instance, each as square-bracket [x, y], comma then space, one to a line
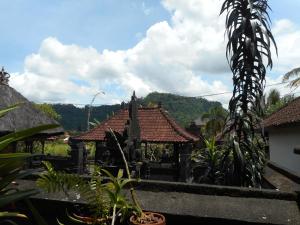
[282, 141]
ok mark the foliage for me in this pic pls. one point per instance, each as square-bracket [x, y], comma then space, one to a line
[183, 109]
[216, 118]
[274, 102]
[10, 167]
[48, 110]
[273, 97]
[95, 123]
[249, 41]
[209, 158]
[57, 148]
[294, 73]
[74, 118]
[92, 191]
[101, 197]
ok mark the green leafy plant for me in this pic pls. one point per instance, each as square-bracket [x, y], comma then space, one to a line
[139, 216]
[95, 123]
[209, 158]
[216, 118]
[10, 167]
[105, 201]
[48, 110]
[275, 102]
[248, 47]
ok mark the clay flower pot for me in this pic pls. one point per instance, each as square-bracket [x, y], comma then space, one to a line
[90, 220]
[148, 218]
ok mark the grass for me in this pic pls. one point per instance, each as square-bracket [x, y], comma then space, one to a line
[59, 148]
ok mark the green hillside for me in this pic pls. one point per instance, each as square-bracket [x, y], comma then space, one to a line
[183, 109]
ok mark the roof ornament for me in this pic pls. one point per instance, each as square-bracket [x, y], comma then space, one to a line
[4, 77]
[133, 97]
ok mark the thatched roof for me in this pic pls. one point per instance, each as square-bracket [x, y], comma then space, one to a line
[24, 117]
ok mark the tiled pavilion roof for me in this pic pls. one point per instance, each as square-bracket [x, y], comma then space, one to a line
[286, 115]
[155, 125]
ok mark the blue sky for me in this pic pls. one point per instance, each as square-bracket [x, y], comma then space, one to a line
[104, 24]
[66, 50]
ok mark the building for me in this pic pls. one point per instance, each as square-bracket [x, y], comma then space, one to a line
[24, 117]
[145, 125]
[283, 129]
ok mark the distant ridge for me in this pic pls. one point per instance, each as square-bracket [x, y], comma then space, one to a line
[182, 109]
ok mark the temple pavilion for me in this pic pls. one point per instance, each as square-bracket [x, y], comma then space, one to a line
[147, 125]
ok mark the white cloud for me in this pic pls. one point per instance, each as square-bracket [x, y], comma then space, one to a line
[185, 56]
[287, 35]
[172, 57]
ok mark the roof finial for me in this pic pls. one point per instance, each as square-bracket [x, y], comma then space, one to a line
[4, 77]
[133, 97]
[123, 105]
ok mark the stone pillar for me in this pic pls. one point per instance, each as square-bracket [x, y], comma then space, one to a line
[78, 155]
[133, 130]
[99, 153]
[176, 147]
[185, 163]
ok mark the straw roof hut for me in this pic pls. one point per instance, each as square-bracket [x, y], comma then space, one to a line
[25, 116]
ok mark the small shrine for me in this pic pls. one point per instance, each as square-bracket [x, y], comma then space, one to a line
[136, 128]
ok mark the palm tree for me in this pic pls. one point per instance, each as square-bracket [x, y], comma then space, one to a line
[293, 73]
[275, 102]
[273, 97]
[215, 118]
[248, 48]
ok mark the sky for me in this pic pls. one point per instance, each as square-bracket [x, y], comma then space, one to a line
[66, 51]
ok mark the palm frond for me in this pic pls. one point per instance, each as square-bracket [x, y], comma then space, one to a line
[293, 73]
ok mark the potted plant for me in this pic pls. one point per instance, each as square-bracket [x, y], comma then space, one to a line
[140, 217]
[105, 200]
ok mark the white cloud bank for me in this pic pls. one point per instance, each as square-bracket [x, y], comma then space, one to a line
[185, 57]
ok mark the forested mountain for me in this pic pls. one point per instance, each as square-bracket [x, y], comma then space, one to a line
[183, 109]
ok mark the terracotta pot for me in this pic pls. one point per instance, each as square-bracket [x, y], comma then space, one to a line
[161, 220]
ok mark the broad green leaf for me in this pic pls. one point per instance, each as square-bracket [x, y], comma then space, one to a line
[12, 214]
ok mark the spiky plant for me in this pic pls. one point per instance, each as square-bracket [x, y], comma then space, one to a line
[248, 53]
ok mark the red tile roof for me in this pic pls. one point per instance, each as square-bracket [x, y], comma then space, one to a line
[155, 124]
[286, 115]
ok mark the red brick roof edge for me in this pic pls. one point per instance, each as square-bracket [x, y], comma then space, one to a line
[288, 114]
